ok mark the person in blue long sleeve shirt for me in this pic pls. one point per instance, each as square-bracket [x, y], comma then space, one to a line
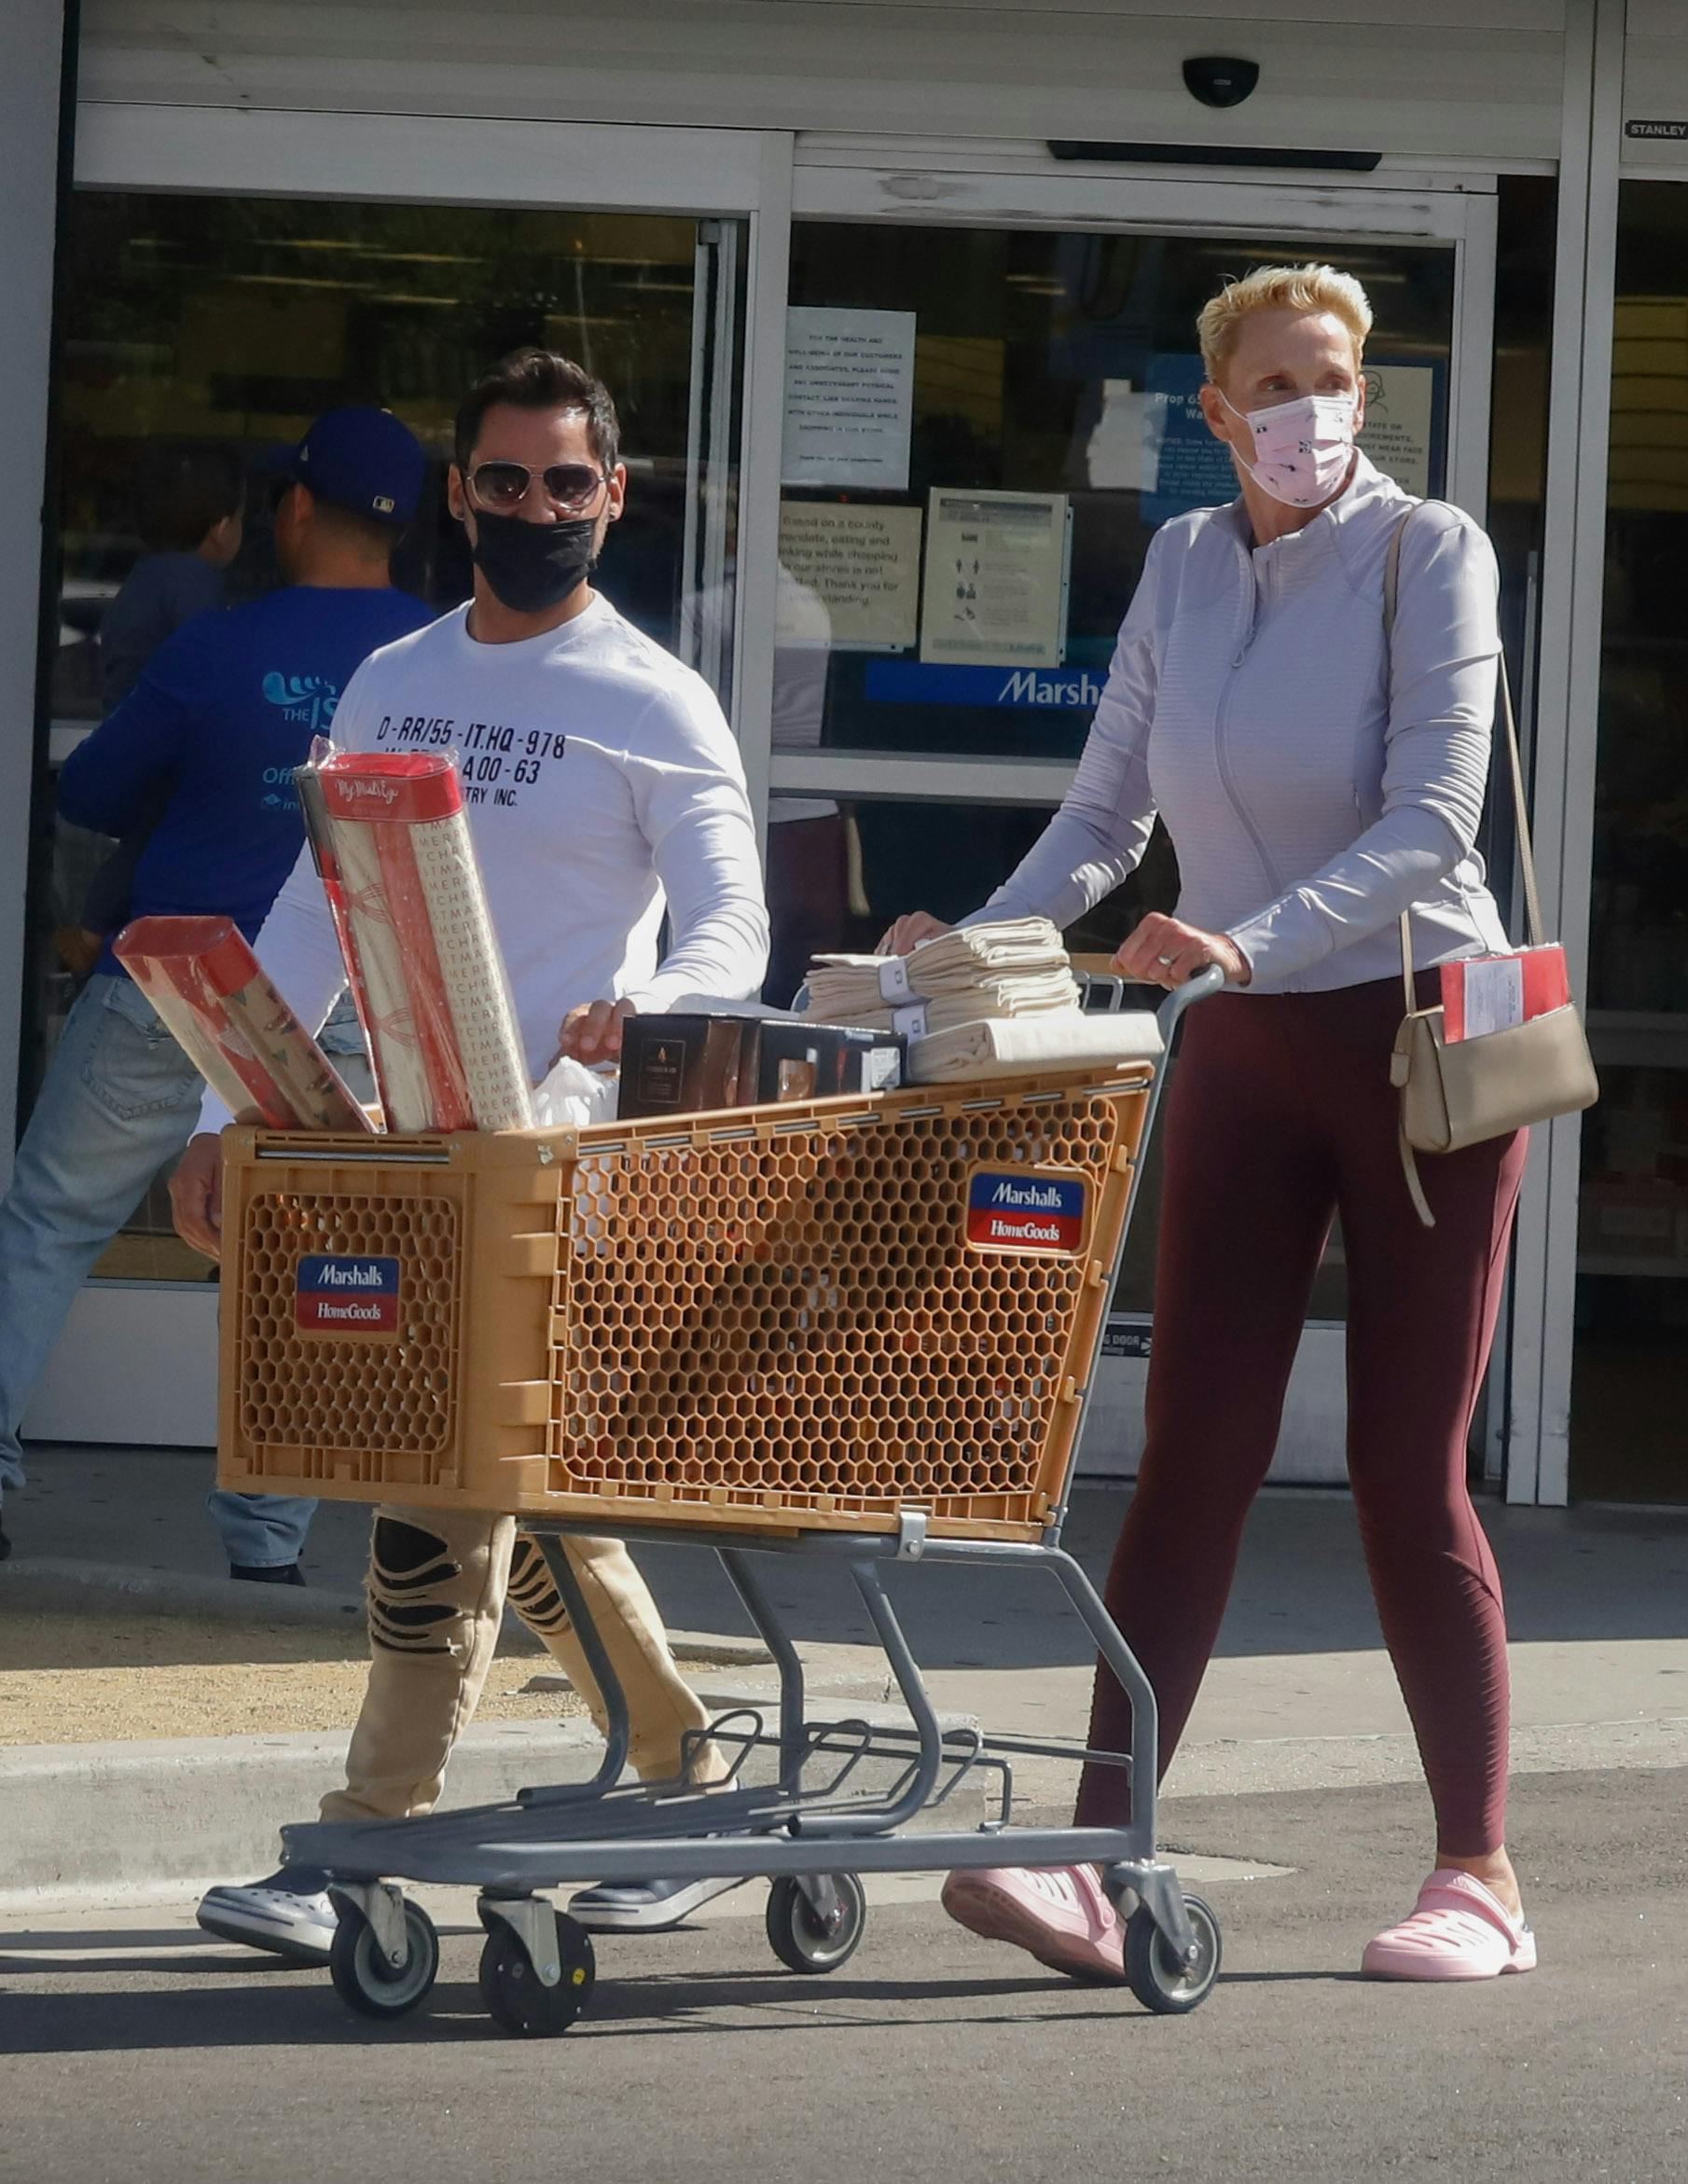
[217, 722]
[220, 716]
[192, 502]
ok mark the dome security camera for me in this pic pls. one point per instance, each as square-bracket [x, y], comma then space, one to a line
[1219, 80]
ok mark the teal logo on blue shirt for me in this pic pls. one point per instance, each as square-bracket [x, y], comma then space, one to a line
[308, 699]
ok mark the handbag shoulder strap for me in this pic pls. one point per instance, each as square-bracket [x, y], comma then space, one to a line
[1527, 859]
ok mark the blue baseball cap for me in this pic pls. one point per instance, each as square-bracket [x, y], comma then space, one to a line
[361, 459]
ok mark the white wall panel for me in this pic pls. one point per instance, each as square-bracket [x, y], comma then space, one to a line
[269, 153]
[1481, 80]
[137, 1363]
[1655, 85]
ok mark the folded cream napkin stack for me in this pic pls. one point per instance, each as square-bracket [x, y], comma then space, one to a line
[1012, 969]
[1020, 1046]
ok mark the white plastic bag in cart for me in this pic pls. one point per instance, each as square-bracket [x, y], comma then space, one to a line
[572, 1096]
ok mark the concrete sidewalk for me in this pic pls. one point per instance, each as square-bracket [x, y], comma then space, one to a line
[1301, 1695]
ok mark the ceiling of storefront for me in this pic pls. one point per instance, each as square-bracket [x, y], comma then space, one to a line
[1345, 74]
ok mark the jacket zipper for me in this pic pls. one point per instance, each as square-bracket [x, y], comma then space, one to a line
[1221, 723]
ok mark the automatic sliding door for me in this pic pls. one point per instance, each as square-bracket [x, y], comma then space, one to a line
[227, 323]
[985, 425]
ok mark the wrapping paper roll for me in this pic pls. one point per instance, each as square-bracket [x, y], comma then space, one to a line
[394, 847]
[203, 979]
[307, 781]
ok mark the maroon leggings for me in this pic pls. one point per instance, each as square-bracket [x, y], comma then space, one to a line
[1281, 1115]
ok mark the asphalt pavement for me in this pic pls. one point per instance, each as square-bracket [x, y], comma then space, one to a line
[140, 2053]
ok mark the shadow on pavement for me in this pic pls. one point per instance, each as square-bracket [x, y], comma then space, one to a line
[1599, 1573]
[307, 2013]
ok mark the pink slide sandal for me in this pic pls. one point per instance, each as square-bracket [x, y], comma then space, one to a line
[1062, 1915]
[1458, 1930]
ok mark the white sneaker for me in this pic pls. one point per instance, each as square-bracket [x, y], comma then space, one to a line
[291, 1915]
[643, 1907]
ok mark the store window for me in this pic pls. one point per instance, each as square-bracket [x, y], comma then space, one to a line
[984, 428]
[225, 325]
[1629, 1432]
[841, 870]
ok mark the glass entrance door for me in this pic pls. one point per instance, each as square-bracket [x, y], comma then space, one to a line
[211, 326]
[989, 410]
[1629, 1436]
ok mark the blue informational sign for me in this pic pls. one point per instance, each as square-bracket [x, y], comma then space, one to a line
[913, 682]
[1191, 469]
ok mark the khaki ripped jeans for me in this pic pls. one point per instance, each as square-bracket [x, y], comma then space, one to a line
[437, 1584]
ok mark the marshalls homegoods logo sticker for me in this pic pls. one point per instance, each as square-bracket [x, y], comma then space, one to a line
[1021, 1210]
[347, 1296]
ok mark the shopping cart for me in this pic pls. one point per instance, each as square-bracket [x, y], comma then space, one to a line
[859, 1332]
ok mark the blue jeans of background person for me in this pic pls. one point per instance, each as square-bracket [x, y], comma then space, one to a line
[118, 1100]
[261, 1531]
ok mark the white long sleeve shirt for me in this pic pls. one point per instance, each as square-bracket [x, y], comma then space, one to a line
[603, 789]
[1314, 779]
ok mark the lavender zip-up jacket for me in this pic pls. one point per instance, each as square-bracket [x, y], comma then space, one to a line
[1313, 787]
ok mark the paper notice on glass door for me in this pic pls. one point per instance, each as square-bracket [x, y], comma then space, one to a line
[861, 563]
[1400, 409]
[849, 399]
[995, 583]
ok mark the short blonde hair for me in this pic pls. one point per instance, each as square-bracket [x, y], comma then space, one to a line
[1308, 288]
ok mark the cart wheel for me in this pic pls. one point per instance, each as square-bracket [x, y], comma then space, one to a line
[364, 1979]
[801, 1939]
[517, 1999]
[1157, 1978]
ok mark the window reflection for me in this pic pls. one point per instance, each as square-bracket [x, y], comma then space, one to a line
[1060, 368]
[202, 329]
[1628, 1439]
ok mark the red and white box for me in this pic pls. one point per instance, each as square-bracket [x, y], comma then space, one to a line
[232, 1022]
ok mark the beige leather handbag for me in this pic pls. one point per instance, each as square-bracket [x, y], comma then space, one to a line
[1459, 1093]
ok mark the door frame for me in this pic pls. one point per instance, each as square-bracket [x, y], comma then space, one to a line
[137, 1361]
[1542, 1344]
[833, 181]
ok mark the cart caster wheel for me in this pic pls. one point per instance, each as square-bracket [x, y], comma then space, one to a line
[517, 1999]
[801, 1939]
[1159, 1980]
[366, 1980]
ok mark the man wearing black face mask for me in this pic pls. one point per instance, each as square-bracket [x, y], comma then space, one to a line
[603, 789]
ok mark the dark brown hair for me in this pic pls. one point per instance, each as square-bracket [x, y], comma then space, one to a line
[539, 379]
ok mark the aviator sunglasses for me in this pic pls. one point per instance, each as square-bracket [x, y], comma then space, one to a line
[503, 485]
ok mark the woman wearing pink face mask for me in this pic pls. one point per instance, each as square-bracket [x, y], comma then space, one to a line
[1316, 780]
